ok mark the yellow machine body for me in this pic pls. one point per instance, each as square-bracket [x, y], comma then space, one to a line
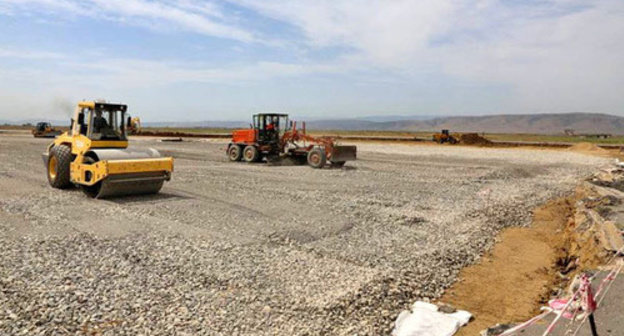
[134, 125]
[96, 162]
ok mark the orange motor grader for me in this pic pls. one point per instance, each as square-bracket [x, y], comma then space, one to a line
[273, 137]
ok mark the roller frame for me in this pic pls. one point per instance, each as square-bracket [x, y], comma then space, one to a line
[102, 169]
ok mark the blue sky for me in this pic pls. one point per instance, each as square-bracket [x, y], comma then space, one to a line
[223, 60]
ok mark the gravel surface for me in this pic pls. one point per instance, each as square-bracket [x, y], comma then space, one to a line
[248, 249]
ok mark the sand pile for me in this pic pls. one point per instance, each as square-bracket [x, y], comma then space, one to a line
[474, 139]
[589, 149]
[586, 147]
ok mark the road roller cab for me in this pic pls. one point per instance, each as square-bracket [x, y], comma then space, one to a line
[93, 155]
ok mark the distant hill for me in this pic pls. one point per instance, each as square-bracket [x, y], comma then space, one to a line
[362, 123]
[521, 123]
[344, 124]
[504, 123]
[196, 124]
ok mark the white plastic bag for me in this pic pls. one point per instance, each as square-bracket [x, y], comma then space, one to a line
[426, 320]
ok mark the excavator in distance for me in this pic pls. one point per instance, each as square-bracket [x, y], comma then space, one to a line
[93, 155]
[444, 137]
[273, 137]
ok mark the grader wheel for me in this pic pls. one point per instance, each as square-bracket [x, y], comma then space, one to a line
[251, 154]
[235, 153]
[317, 158]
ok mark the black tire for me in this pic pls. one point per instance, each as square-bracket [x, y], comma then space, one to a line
[251, 154]
[317, 158]
[58, 167]
[235, 153]
[338, 164]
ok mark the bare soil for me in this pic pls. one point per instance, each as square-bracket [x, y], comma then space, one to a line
[589, 148]
[474, 139]
[518, 275]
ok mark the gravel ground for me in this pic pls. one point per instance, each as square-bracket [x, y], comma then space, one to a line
[238, 249]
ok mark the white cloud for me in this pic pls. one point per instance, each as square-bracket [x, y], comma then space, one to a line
[567, 62]
[140, 73]
[27, 5]
[193, 16]
[195, 20]
[557, 55]
[389, 32]
[551, 56]
[201, 7]
[122, 73]
[28, 54]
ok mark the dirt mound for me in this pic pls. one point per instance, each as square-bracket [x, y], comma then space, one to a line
[586, 147]
[474, 139]
[519, 271]
[528, 265]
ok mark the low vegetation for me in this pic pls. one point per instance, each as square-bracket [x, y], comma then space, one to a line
[616, 139]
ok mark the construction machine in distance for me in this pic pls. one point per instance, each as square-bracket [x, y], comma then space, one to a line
[94, 155]
[444, 137]
[45, 130]
[273, 137]
[134, 125]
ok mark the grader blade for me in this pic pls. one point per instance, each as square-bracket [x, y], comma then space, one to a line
[343, 153]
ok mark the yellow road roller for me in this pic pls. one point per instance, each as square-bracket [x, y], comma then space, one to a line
[94, 155]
